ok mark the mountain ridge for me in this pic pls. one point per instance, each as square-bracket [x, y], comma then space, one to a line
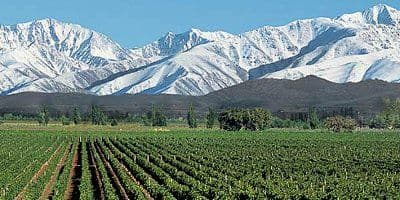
[280, 96]
[52, 56]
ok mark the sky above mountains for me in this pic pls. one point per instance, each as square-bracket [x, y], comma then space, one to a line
[136, 22]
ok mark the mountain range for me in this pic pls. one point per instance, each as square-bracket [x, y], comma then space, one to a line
[50, 56]
[285, 98]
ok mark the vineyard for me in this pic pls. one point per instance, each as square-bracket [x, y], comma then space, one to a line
[199, 165]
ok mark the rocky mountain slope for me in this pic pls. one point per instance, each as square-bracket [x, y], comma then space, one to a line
[51, 56]
[283, 97]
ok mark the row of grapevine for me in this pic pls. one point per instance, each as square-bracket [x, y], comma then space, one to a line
[199, 166]
[59, 181]
[107, 187]
[15, 176]
[225, 186]
[85, 186]
[37, 187]
[178, 190]
[13, 184]
[133, 190]
[128, 159]
[181, 177]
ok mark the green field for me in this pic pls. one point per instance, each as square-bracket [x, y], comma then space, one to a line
[129, 162]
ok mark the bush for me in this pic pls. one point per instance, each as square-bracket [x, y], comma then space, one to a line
[65, 121]
[377, 122]
[278, 123]
[249, 119]
[339, 123]
[306, 126]
[134, 118]
[231, 120]
[114, 122]
[256, 119]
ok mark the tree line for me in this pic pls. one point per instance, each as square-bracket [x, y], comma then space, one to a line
[153, 117]
[235, 119]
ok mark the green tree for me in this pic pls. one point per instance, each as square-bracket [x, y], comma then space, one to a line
[191, 117]
[43, 116]
[256, 119]
[76, 116]
[159, 118]
[231, 120]
[313, 119]
[278, 123]
[103, 119]
[40, 118]
[210, 118]
[249, 119]
[114, 122]
[338, 124]
[94, 115]
[391, 113]
[148, 118]
[155, 117]
[65, 120]
[378, 122]
[97, 116]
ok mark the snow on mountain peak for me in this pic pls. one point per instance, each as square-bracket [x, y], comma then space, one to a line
[171, 43]
[71, 39]
[381, 6]
[49, 49]
[379, 14]
[51, 56]
[382, 14]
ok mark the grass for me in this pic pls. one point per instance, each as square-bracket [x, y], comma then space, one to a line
[179, 129]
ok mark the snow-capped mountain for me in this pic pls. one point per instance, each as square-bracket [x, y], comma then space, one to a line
[36, 56]
[172, 43]
[349, 53]
[52, 56]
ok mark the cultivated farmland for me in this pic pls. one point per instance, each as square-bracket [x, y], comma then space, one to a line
[181, 164]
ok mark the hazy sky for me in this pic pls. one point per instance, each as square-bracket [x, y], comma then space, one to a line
[136, 22]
